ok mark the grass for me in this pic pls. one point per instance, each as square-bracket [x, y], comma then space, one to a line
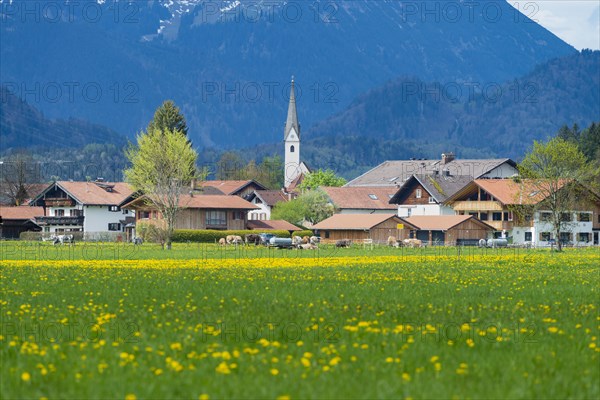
[354, 323]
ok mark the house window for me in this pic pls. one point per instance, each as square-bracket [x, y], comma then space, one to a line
[75, 213]
[418, 193]
[257, 201]
[216, 218]
[238, 215]
[566, 237]
[545, 236]
[409, 212]
[528, 236]
[566, 217]
[46, 229]
[583, 237]
[508, 216]
[584, 217]
[545, 216]
[497, 216]
[292, 149]
[114, 227]
[114, 208]
[125, 212]
[431, 200]
[59, 213]
[144, 214]
[483, 216]
[326, 234]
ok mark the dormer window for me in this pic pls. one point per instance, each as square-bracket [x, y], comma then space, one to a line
[373, 197]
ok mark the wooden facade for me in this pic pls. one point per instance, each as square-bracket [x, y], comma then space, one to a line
[194, 218]
[378, 233]
[412, 197]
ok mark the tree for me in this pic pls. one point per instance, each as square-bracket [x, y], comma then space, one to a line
[557, 172]
[17, 177]
[163, 164]
[310, 208]
[319, 178]
[231, 166]
[168, 117]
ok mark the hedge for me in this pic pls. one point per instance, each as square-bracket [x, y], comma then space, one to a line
[303, 233]
[212, 236]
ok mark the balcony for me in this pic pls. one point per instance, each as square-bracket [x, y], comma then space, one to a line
[58, 202]
[60, 221]
[477, 206]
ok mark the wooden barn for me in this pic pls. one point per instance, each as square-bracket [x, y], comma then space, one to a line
[357, 227]
[450, 230]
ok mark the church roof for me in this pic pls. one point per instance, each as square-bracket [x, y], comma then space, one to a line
[292, 116]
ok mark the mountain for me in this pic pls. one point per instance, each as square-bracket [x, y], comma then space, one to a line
[22, 125]
[410, 118]
[227, 64]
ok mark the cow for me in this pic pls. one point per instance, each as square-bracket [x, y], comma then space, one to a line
[137, 241]
[296, 240]
[234, 239]
[62, 239]
[392, 241]
[308, 246]
[222, 242]
[343, 243]
[305, 240]
[314, 240]
[252, 239]
[413, 243]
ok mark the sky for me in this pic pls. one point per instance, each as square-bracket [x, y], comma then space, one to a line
[576, 22]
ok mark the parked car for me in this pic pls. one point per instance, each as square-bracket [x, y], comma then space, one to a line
[265, 238]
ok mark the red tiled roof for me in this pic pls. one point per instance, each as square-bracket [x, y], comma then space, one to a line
[92, 194]
[21, 212]
[509, 192]
[368, 198]
[440, 222]
[215, 202]
[227, 187]
[354, 221]
[272, 197]
[279, 225]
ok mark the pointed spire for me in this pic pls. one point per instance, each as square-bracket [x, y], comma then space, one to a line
[292, 116]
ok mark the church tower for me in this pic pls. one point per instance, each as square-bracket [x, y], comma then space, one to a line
[291, 137]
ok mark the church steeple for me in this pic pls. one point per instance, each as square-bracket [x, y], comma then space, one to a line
[291, 138]
[292, 115]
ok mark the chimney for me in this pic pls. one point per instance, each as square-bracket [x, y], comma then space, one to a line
[447, 157]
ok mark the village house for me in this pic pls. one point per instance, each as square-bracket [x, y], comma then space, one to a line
[93, 208]
[361, 200]
[395, 173]
[16, 220]
[218, 212]
[240, 188]
[426, 194]
[360, 227]
[449, 230]
[507, 206]
[265, 200]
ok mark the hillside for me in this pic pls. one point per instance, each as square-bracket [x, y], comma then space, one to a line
[22, 125]
[228, 67]
[410, 118]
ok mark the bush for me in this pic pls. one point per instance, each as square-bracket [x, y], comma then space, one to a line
[303, 233]
[151, 233]
[212, 236]
[32, 236]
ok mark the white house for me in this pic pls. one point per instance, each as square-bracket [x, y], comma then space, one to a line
[88, 207]
[426, 194]
[506, 204]
[265, 200]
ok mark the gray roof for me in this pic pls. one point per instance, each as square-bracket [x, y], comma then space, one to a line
[439, 187]
[394, 173]
[292, 116]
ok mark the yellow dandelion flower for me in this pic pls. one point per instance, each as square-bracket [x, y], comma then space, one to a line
[130, 396]
[274, 371]
[203, 396]
[406, 377]
[25, 377]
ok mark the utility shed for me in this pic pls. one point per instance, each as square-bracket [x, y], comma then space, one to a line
[450, 230]
[357, 227]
